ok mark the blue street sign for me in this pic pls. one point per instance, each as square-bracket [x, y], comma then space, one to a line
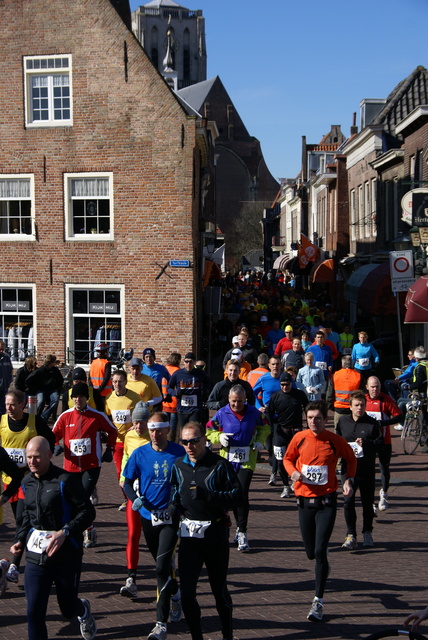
[179, 263]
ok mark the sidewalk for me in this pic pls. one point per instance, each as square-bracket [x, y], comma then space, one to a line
[272, 586]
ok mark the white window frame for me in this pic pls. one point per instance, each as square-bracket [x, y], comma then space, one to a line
[367, 217]
[360, 223]
[18, 314]
[353, 216]
[373, 207]
[69, 288]
[68, 198]
[49, 68]
[18, 235]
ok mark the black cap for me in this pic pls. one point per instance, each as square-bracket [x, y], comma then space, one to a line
[80, 389]
[79, 374]
[190, 356]
[286, 377]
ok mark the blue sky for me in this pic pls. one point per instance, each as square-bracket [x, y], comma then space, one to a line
[295, 68]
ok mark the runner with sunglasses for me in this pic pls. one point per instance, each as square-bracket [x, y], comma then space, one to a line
[204, 487]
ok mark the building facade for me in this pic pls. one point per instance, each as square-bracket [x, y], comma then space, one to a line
[100, 178]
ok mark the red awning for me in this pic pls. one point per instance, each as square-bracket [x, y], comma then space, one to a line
[370, 287]
[324, 272]
[417, 302]
[280, 261]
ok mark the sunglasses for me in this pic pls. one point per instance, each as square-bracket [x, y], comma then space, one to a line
[188, 361]
[284, 384]
[191, 441]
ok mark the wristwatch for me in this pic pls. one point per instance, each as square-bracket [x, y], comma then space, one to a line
[66, 531]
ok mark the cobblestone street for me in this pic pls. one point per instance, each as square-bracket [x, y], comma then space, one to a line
[272, 586]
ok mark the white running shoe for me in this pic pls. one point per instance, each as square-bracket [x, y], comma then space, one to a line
[350, 542]
[243, 542]
[383, 502]
[94, 497]
[89, 537]
[129, 590]
[13, 574]
[316, 611]
[158, 632]
[286, 492]
[236, 538]
[88, 626]
[398, 427]
[272, 479]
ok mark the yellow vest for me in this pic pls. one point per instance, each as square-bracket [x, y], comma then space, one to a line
[16, 442]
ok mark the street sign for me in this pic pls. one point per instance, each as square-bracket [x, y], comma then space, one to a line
[179, 263]
[401, 269]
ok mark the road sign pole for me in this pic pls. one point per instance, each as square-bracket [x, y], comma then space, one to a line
[400, 337]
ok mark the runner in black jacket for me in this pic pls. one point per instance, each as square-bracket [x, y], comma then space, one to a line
[204, 487]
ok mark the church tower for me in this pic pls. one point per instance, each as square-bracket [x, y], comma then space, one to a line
[174, 39]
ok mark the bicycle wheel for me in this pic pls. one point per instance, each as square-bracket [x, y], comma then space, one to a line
[394, 633]
[411, 433]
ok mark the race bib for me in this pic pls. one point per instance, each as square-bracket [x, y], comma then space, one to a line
[315, 474]
[122, 416]
[189, 401]
[80, 446]
[364, 362]
[347, 351]
[375, 414]
[278, 452]
[357, 449]
[238, 454]
[160, 517]
[38, 541]
[19, 456]
[321, 365]
[194, 528]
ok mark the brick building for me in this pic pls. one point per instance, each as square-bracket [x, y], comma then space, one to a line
[100, 172]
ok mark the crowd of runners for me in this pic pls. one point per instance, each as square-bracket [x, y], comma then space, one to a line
[185, 445]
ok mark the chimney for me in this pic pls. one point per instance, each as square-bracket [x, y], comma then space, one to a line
[354, 129]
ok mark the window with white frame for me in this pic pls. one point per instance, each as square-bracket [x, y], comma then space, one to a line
[89, 206]
[360, 222]
[48, 94]
[373, 207]
[16, 207]
[17, 320]
[367, 218]
[94, 316]
[353, 216]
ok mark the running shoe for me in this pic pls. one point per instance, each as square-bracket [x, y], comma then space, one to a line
[272, 479]
[286, 493]
[94, 497]
[89, 537]
[88, 626]
[129, 590]
[122, 507]
[175, 611]
[374, 510]
[243, 542]
[316, 611]
[236, 538]
[158, 632]
[383, 502]
[350, 542]
[4, 566]
[368, 539]
[13, 574]
[398, 427]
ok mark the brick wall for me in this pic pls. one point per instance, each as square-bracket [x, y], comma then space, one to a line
[135, 129]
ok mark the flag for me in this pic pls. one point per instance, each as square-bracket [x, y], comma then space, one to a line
[308, 252]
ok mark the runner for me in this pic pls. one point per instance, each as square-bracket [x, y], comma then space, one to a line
[151, 466]
[311, 460]
[80, 430]
[241, 431]
[204, 486]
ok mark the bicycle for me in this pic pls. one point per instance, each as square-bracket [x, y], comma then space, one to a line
[414, 429]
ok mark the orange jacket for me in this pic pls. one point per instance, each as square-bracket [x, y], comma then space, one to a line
[96, 374]
[255, 374]
[345, 381]
[169, 407]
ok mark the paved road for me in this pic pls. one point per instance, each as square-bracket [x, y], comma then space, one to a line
[272, 586]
